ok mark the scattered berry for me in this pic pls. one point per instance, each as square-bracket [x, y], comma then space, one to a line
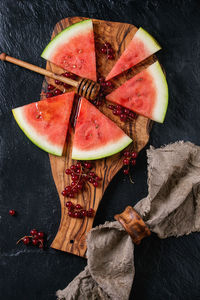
[33, 232]
[34, 241]
[57, 92]
[78, 206]
[41, 234]
[12, 212]
[26, 240]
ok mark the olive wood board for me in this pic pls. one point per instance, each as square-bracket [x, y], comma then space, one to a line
[72, 232]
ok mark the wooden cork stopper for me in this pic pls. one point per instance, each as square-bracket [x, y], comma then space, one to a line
[133, 224]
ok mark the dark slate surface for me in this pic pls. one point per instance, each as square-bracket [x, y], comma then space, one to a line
[165, 269]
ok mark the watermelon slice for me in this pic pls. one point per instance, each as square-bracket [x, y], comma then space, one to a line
[45, 122]
[73, 49]
[96, 136]
[141, 46]
[146, 93]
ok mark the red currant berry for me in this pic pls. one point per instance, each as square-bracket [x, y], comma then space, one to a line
[92, 174]
[71, 195]
[12, 212]
[57, 92]
[78, 165]
[36, 236]
[50, 87]
[83, 212]
[110, 56]
[126, 171]
[66, 74]
[108, 45]
[127, 154]
[109, 83]
[49, 95]
[33, 232]
[73, 183]
[41, 234]
[72, 167]
[70, 213]
[126, 162]
[134, 154]
[75, 190]
[97, 178]
[103, 50]
[34, 241]
[58, 82]
[69, 204]
[65, 85]
[111, 106]
[26, 240]
[64, 193]
[79, 186]
[133, 162]
[101, 79]
[68, 189]
[68, 171]
[95, 184]
[91, 180]
[126, 111]
[76, 214]
[78, 206]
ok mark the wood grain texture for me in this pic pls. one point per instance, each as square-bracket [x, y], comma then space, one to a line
[71, 235]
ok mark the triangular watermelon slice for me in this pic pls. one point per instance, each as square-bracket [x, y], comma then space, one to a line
[45, 122]
[96, 136]
[146, 93]
[141, 46]
[73, 49]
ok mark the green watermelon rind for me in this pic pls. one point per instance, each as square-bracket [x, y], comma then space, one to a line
[161, 105]
[149, 41]
[102, 152]
[32, 134]
[63, 35]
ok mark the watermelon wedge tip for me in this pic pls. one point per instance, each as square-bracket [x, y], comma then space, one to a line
[140, 47]
[96, 136]
[73, 49]
[45, 122]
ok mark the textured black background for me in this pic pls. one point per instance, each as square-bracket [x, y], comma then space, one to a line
[165, 269]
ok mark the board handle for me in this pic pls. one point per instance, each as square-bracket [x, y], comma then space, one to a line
[133, 224]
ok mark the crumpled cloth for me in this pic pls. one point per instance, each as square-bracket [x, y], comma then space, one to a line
[172, 208]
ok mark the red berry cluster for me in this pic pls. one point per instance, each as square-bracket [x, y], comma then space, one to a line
[108, 50]
[124, 113]
[80, 174]
[36, 238]
[130, 159]
[77, 211]
[53, 91]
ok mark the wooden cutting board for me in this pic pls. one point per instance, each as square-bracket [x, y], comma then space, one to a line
[71, 235]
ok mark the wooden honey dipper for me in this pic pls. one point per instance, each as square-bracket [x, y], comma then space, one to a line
[84, 87]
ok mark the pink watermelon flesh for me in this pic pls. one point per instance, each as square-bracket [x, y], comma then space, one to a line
[137, 94]
[146, 93]
[47, 120]
[78, 56]
[136, 51]
[95, 134]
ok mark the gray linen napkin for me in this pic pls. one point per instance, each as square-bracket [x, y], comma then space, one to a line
[172, 208]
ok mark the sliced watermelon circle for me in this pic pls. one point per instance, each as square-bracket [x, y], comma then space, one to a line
[96, 136]
[140, 47]
[45, 122]
[73, 49]
[146, 93]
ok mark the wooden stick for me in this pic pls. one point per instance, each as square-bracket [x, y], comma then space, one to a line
[21, 63]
